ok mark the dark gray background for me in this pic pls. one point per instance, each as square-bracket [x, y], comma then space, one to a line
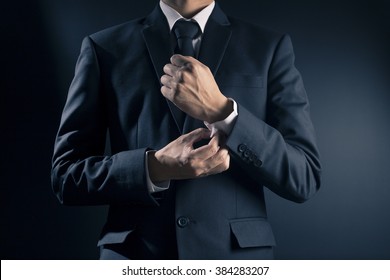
[342, 50]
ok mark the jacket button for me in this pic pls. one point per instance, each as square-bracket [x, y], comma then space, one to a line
[253, 158]
[242, 148]
[183, 221]
[258, 163]
[248, 153]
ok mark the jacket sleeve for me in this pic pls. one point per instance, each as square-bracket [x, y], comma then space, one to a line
[81, 174]
[280, 152]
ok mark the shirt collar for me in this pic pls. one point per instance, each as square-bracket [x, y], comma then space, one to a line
[172, 15]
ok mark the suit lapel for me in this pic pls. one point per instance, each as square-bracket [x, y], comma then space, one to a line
[215, 40]
[158, 41]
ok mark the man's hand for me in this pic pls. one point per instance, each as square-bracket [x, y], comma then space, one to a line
[190, 85]
[179, 159]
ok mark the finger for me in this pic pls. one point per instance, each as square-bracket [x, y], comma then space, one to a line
[223, 166]
[204, 152]
[216, 164]
[219, 162]
[170, 69]
[218, 158]
[214, 141]
[196, 135]
[167, 92]
[220, 138]
[166, 81]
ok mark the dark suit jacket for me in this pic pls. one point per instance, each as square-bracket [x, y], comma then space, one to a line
[116, 88]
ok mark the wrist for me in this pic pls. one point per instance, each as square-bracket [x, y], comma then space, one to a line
[223, 111]
[157, 171]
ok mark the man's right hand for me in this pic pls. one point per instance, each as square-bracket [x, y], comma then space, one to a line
[179, 159]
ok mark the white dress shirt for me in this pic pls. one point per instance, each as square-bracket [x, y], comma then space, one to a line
[225, 125]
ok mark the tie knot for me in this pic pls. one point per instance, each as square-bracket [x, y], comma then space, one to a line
[186, 29]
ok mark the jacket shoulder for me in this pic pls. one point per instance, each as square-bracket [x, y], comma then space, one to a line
[117, 33]
[250, 30]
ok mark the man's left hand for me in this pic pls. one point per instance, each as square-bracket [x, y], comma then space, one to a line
[190, 85]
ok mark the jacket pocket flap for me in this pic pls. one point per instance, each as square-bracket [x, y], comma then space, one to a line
[114, 237]
[252, 233]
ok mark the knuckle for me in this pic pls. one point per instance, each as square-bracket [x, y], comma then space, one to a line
[182, 139]
[165, 91]
[186, 76]
[227, 162]
[191, 161]
[172, 84]
[226, 165]
[203, 169]
[212, 150]
[179, 75]
[165, 82]
[198, 172]
[221, 156]
[190, 66]
[179, 87]
[183, 161]
[206, 168]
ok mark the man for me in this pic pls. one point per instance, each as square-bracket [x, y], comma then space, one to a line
[177, 189]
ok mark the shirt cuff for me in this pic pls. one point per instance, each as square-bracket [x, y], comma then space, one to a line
[158, 187]
[225, 125]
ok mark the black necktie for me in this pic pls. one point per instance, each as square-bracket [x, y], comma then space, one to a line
[186, 32]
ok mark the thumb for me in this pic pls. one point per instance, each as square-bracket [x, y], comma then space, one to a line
[180, 60]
